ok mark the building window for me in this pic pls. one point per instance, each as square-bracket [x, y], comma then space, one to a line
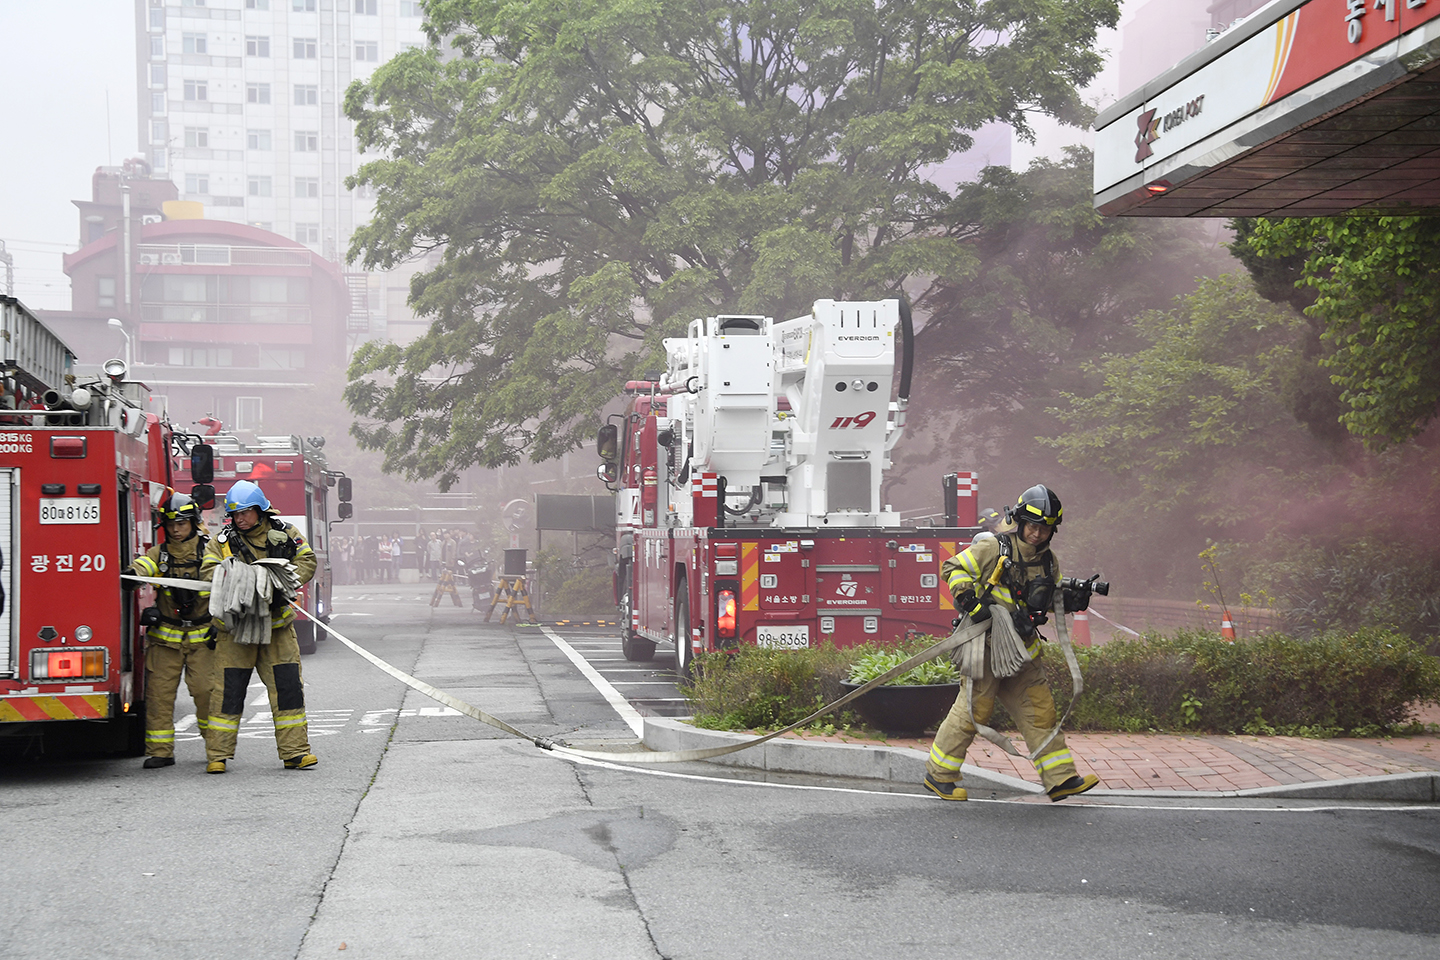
[197, 137]
[257, 139]
[302, 6]
[307, 187]
[197, 183]
[257, 46]
[104, 291]
[157, 45]
[411, 8]
[306, 94]
[307, 232]
[281, 358]
[304, 48]
[307, 141]
[157, 74]
[249, 410]
[366, 7]
[227, 201]
[157, 18]
[196, 90]
[157, 131]
[367, 51]
[157, 161]
[257, 92]
[257, 4]
[259, 186]
[192, 3]
[193, 43]
[157, 103]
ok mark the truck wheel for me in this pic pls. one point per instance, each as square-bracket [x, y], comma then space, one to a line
[684, 659]
[636, 649]
[305, 636]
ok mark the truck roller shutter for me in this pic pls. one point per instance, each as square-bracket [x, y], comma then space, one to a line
[9, 565]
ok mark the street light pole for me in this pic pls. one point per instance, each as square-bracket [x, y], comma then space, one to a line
[115, 323]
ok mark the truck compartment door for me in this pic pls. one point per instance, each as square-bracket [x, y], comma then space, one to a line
[9, 565]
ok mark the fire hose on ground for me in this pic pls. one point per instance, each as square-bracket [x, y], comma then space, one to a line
[962, 634]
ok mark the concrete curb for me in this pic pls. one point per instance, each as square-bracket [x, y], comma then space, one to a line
[906, 765]
[898, 764]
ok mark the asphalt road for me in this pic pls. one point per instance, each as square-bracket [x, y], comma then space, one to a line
[425, 834]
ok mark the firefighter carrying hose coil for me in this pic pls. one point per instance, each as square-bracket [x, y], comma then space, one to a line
[177, 629]
[254, 531]
[1011, 576]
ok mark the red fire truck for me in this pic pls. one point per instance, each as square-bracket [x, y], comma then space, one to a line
[81, 466]
[747, 484]
[296, 479]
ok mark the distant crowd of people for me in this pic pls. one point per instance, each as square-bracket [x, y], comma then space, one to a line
[378, 559]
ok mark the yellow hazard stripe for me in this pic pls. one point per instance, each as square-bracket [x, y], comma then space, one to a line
[947, 550]
[146, 567]
[224, 723]
[750, 576]
[297, 721]
[70, 706]
[159, 736]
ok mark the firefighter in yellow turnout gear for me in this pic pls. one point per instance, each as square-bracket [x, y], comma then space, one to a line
[255, 532]
[1024, 589]
[175, 643]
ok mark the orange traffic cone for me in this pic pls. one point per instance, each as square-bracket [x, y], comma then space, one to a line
[1227, 629]
[1080, 628]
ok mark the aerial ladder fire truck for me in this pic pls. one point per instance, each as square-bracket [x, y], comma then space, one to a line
[748, 494]
[82, 465]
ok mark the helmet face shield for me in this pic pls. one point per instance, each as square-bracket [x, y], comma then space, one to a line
[1038, 505]
[180, 507]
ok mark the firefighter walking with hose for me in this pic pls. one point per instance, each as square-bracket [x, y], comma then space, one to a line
[177, 629]
[260, 634]
[1011, 580]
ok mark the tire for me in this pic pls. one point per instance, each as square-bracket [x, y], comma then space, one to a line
[636, 649]
[684, 656]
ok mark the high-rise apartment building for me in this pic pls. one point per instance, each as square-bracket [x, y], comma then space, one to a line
[240, 105]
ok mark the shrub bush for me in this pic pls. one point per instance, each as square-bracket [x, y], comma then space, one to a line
[1358, 683]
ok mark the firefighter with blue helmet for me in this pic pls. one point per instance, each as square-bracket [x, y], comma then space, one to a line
[1016, 573]
[254, 531]
[178, 627]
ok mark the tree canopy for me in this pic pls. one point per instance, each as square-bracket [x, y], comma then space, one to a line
[585, 176]
[1375, 286]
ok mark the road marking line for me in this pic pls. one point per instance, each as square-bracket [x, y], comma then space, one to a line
[629, 714]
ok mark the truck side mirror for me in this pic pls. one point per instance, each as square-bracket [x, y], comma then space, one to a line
[607, 443]
[343, 491]
[346, 510]
[607, 473]
[204, 495]
[202, 464]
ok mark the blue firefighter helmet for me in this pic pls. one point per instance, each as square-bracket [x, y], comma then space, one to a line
[243, 495]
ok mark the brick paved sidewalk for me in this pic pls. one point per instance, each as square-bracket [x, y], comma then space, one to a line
[1159, 761]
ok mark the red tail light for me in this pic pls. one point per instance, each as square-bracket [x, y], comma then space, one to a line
[725, 625]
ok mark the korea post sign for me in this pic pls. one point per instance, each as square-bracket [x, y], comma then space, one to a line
[1306, 42]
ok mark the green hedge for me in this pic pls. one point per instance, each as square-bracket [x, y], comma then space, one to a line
[1358, 683]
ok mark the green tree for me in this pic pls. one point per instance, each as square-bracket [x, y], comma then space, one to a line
[585, 176]
[1375, 283]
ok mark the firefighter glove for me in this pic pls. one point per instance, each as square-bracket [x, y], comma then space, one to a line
[972, 607]
[210, 636]
[1076, 599]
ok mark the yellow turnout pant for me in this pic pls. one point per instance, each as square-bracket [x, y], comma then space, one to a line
[278, 663]
[1027, 697]
[164, 665]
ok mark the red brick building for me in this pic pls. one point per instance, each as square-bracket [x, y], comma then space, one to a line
[222, 318]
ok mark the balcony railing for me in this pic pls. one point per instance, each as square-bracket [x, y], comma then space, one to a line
[209, 254]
